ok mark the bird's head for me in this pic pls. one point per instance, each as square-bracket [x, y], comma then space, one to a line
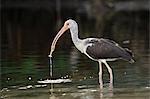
[69, 24]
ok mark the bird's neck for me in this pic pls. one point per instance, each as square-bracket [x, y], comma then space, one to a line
[75, 36]
[76, 40]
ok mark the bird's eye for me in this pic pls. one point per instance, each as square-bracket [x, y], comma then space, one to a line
[67, 23]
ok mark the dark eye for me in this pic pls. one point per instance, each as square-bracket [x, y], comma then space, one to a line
[67, 23]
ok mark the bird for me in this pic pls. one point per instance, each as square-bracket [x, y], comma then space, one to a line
[97, 49]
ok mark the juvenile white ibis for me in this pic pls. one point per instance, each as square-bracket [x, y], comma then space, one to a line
[100, 50]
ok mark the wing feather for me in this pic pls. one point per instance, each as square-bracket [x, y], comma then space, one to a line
[106, 49]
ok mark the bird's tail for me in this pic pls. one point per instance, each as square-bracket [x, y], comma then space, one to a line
[131, 54]
[129, 51]
[131, 61]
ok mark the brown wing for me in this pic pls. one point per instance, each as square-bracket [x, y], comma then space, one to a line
[106, 49]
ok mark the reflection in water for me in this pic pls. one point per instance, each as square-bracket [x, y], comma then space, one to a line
[83, 92]
[51, 75]
[53, 97]
[106, 92]
[50, 67]
[51, 91]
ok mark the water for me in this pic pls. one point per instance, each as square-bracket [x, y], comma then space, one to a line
[20, 81]
[25, 61]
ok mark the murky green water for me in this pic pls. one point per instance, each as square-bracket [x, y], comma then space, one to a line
[24, 62]
[19, 77]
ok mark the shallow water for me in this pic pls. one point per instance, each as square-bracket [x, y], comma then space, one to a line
[25, 64]
[20, 81]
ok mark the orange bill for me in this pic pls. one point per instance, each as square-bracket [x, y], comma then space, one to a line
[63, 29]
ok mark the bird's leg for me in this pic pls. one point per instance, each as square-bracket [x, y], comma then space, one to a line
[100, 75]
[110, 73]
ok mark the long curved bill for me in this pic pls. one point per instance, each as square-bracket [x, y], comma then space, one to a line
[63, 29]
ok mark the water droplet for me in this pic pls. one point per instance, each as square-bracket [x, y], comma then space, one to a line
[91, 77]
[67, 76]
[8, 78]
[84, 78]
[30, 78]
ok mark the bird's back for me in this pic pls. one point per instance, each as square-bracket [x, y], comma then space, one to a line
[107, 49]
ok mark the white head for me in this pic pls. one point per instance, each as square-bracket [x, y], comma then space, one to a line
[71, 24]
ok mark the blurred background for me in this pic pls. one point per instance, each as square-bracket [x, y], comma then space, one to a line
[29, 26]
